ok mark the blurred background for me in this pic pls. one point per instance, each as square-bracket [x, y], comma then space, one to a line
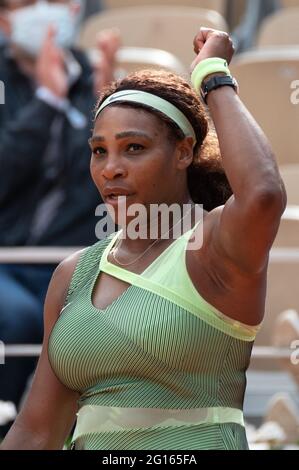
[47, 202]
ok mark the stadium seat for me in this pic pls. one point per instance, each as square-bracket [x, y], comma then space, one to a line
[288, 233]
[280, 29]
[289, 3]
[290, 176]
[282, 294]
[282, 284]
[130, 59]
[162, 28]
[218, 5]
[269, 87]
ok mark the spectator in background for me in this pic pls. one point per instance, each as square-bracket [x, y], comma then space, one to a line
[92, 7]
[2, 38]
[256, 11]
[46, 193]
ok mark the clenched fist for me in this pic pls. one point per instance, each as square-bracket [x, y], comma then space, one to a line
[210, 43]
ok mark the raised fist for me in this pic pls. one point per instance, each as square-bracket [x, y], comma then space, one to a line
[210, 43]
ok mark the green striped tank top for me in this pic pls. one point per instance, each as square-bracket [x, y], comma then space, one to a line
[159, 368]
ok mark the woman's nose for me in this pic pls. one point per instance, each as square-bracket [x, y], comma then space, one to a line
[113, 169]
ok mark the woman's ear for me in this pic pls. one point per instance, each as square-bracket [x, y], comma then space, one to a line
[184, 151]
[5, 25]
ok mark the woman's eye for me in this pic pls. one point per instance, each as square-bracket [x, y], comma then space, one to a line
[135, 147]
[98, 151]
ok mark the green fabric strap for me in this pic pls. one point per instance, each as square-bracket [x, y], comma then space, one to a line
[173, 283]
[97, 419]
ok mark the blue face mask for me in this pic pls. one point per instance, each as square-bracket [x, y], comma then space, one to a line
[29, 25]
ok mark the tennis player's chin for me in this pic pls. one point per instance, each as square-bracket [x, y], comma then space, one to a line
[118, 208]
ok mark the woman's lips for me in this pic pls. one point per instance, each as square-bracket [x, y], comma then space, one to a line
[117, 199]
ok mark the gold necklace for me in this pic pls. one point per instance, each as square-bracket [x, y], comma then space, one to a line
[114, 249]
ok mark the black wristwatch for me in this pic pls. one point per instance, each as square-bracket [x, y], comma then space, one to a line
[217, 82]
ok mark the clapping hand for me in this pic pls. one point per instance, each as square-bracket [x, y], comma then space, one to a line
[108, 43]
[50, 69]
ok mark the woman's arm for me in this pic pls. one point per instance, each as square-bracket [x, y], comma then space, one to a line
[49, 412]
[245, 228]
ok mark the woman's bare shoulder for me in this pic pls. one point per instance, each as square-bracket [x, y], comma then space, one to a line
[65, 270]
[62, 276]
[60, 282]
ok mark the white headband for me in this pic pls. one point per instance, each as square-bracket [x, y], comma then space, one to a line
[155, 102]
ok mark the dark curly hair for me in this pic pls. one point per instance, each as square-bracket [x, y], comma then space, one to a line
[207, 181]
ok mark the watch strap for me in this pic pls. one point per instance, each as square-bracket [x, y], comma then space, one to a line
[217, 82]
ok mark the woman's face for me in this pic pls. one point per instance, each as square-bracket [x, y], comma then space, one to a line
[135, 162]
